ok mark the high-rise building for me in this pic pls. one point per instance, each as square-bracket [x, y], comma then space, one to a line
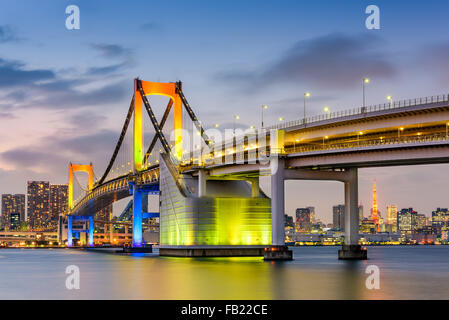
[420, 222]
[38, 204]
[392, 218]
[58, 202]
[303, 220]
[407, 221]
[13, 204]
[360, 213]
[440, 220]
[312, 214]
[14, 221]
[288, 221]
[338, 215]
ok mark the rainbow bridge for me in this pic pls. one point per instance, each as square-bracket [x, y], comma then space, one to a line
[208, 185]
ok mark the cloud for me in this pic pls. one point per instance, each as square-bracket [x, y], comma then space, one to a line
[13, 73]
[55, 152]
[110, 50]
[335, 60]
[107, 70]
[7, 34]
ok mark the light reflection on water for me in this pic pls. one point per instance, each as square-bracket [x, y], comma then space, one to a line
[406, 273]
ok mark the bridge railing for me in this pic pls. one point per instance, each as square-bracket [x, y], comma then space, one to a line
[363, 110]
[368, 143]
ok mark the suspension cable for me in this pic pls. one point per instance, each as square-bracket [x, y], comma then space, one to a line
[119, 142]
[191, 114]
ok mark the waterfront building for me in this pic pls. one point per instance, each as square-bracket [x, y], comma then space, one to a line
[14, 221]
[312, 214]
[338, 215]
[440, 223]
[288, 220]
[407, 221]
[367, 226]
[303, 220]
[13, 204]
[392, 218]
[38, 204]
[440, 219]
[58, 203]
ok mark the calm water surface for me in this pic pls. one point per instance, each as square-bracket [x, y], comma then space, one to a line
[406, 273]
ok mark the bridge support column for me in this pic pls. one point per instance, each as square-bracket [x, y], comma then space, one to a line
[137, 217]
[255, 188]
[351, 249]
[277, 203]
[202, 178]
[90, 241]
[69, 231]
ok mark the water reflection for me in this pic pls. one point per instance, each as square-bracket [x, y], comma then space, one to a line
[406, 273]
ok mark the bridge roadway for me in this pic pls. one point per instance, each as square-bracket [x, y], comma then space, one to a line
[328, 147]
[410, 132]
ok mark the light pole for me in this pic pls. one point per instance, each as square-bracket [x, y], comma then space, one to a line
[325, 138]
[401, 129]
[281, 120]
[364, 83]
[264, 107]
[327, 110]
[358, 138]
[390, 98]
[306, 95]
[236, 117]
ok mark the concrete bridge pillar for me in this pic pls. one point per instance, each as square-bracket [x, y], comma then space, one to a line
[202, 180]
[69, 231]
[351, 249]
[255, 188]
[90, 241]
[277, 203]
[137, 217]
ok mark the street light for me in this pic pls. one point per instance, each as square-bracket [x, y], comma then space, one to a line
[236, 117]
[281, 120]
[358, 138]
[264, 107]
[217, 125]
[325, 138]
[401, 129]
[390, 98]
[306, 95]
[327, 110]
[364, 82]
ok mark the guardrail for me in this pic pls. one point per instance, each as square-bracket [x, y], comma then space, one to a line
[368, 143]
[363, 110]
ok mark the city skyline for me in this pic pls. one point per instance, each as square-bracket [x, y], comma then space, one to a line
[67, 110]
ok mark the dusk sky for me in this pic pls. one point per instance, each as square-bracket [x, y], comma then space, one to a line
[64, 93]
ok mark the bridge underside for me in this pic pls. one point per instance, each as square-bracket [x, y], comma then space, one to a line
[95, 205]
[402, 155]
